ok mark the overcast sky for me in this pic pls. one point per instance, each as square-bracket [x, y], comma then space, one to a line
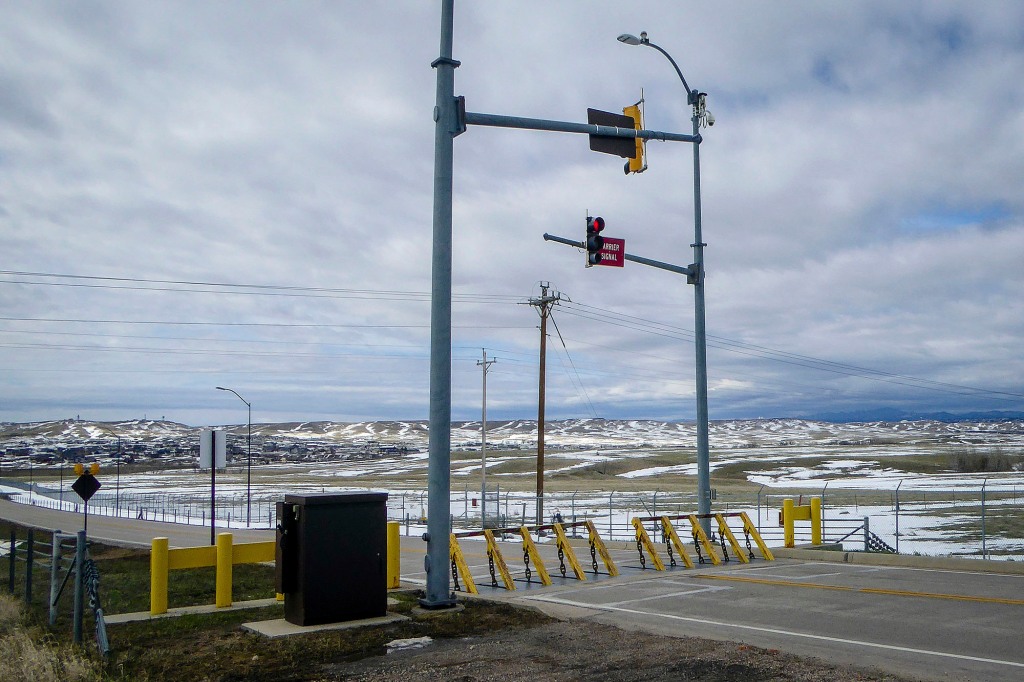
[861, 195]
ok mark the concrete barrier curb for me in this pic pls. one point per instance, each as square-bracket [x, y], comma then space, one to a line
[901, 560]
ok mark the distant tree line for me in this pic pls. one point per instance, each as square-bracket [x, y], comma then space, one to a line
[973, 461]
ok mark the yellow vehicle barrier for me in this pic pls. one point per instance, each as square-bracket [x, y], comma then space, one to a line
[223, 555]
[565, 552]
[805, 512]
[704, 546]
[494, 559]
[668, 533]
[532, 559]
[643, 541]
[459, 566]
[700, 539]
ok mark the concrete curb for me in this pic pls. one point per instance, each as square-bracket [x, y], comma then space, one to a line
[901, 560]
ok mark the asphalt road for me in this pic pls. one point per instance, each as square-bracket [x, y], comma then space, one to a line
[930, 624]
[121, 531]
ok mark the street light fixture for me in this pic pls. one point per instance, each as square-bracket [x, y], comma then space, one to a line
[248, 478]
[701, 115]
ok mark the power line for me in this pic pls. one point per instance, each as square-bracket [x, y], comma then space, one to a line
[243, 289]
[754, 350]
[296, 325]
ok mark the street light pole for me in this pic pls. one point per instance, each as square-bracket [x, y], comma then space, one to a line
[486, 365]
[695, 99]
[248, 440]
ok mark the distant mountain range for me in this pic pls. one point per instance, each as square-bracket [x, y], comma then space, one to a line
[888, 414]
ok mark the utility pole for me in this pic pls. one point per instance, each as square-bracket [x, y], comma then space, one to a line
[484, 364]
[543, 305]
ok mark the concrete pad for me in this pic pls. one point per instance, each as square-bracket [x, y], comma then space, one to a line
[274, 629]
[204, 608]
[187, 610]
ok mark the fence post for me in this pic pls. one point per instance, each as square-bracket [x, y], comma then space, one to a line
[898, 516]
[79, 563]
[54, 574]
[984, 553]
[30, 555]
[867, 534]
[14, 539]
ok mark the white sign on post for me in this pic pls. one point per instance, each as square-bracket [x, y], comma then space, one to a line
[211, 442]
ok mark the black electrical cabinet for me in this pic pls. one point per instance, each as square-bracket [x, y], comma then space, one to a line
[332, 557]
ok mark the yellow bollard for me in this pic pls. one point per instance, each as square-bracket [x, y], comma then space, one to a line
[224, 564]
[394, 554]
[158, 577]
[815, 520]
[788, 512]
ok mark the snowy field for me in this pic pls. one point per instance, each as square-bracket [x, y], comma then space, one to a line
[894, 474]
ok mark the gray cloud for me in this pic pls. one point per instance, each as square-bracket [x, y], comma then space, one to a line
[860, 203]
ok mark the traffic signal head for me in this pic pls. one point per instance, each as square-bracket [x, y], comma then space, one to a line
[594, 240]
[94, 468]
[638, 162]
[79, 469]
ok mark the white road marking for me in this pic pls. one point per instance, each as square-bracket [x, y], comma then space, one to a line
[667, 595]
[777, 631]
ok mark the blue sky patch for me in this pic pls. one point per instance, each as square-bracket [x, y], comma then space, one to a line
[953, 218]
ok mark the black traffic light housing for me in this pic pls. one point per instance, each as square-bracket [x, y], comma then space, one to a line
[595, 242]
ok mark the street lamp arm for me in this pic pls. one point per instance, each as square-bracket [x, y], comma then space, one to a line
[221, 388]
[689, 93]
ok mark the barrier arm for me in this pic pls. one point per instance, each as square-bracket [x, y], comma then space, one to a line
[726, 532]
[494, 554]
[566, 549]
[702, 538]
[597, 543]
[531, 550]
[670, 532]
[643, 541]
[459, 563]
[752, 530]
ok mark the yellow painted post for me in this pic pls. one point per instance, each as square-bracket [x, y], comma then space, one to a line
[494, 554]
[455, 556]
[788, 512]
[724, 529]
[668, 530]
[158, 577]
[644, 540]
[815, 520]
[701, 537]
[394, 554]
[224, 564]
[531, 550]
[563, 544]
[598, 544]
[750, 528]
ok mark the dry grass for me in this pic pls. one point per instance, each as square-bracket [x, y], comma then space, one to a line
[27, 655]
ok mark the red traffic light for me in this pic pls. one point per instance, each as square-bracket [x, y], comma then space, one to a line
[595, 225]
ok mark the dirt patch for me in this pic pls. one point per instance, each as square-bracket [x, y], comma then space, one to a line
[564, 651]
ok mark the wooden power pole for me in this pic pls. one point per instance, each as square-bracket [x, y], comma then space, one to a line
[543, 305]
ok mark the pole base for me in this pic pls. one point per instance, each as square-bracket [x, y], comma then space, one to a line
[439, 604]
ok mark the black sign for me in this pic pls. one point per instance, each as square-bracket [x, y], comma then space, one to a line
[620, 146]
[86, 486]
